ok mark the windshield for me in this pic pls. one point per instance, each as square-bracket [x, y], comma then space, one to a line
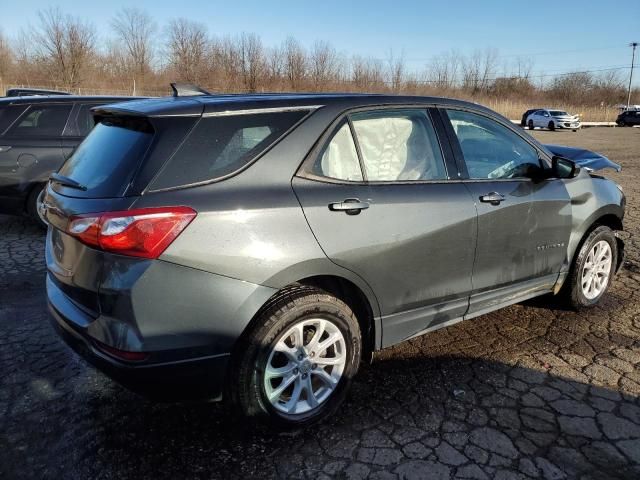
[107, 159]
[558, 113]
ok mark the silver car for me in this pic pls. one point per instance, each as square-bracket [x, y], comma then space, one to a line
[553, 119]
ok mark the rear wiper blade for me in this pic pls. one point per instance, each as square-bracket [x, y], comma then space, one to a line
[66, 181]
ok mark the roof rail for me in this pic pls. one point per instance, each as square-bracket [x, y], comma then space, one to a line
[187, 90]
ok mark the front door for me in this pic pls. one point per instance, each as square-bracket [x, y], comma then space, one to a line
[378, 198]
[523, 224]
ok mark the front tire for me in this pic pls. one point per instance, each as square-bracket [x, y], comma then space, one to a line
[593, 269]
[296, 364]
[552, 126]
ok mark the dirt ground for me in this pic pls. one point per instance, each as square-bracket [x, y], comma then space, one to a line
[531, 391]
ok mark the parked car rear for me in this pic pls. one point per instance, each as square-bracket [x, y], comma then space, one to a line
[629, 118]
[37, 135]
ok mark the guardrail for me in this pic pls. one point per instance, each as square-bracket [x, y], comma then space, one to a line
[584, 124]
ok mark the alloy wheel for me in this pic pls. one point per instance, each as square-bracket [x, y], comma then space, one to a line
[596, 270]
[305, 366]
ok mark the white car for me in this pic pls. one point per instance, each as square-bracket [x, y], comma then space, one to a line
[553, 119]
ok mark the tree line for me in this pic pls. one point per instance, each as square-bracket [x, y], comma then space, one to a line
[138, 56]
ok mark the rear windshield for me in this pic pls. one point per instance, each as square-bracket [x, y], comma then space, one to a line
[107, 159]
[220, 145]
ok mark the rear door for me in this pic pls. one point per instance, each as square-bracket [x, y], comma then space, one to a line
[378, 195]
[523, 224]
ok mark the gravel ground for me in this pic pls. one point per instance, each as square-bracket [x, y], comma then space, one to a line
[525, 392]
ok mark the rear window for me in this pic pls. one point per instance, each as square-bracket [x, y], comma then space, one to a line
[8, 115]
[42, 120]
[107, 159]
[220, 145]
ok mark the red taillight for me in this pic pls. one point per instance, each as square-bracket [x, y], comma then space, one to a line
[145, 232]
[121, 354]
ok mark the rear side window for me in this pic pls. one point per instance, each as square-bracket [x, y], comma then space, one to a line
[220, 145]
[107, 159]
[42, 120]
[9, 114]
[81, 125]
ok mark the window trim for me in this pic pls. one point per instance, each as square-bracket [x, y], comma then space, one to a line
[457, 149]
[306, 167]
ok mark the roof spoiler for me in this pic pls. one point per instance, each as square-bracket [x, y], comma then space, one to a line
[187, 90]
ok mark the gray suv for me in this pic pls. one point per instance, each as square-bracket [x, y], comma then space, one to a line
[258, 247]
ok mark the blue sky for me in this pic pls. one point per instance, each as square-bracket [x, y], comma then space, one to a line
[559, 36]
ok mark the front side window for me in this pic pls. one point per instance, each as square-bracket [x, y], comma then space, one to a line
[491, 150]
[42, 120]
[220, 145]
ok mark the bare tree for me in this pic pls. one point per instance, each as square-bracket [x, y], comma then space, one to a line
[367, 73]
[275, 65]
[396, 71]
[6, 60]
[135, 29]
[295, 62]
[324, 64]
[187, 49]
[252, 64]
[443, 70]
[64, 45]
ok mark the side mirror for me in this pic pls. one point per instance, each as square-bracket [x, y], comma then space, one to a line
[564, 168]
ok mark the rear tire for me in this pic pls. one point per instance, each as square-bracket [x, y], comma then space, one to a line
[531, 127]
[33, 203]
[621, 123]
[593, 269]
[306, 339]
[552, 126]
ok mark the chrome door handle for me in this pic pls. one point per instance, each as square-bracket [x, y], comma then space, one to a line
[494, 198]
[5, 148]
[351, 206]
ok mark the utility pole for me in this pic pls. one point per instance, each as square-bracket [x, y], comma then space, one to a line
[633, 57]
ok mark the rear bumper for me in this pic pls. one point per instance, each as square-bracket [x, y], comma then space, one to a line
[166, 375]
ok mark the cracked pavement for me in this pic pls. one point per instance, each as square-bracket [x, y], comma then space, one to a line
[531, 391]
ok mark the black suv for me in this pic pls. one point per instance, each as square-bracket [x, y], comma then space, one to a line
[37, 134]
[628, 118]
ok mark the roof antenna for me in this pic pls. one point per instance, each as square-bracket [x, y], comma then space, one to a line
[187, 90]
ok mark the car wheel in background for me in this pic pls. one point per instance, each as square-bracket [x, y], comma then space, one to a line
[34, 203]
[621, 123]
[552, 126]
[593, 268]
[295, 365]
[531, 125]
